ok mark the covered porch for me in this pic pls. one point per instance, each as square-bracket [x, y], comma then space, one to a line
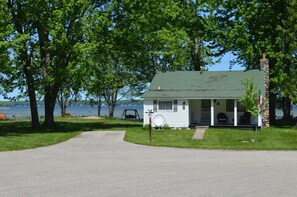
[220, 113]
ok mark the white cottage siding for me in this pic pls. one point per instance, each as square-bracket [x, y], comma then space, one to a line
[179, 118]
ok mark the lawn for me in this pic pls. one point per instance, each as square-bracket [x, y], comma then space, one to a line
[19, 135]
[280, 137]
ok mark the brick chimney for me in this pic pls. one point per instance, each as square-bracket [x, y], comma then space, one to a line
[264, 64]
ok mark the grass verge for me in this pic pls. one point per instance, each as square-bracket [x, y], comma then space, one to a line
[20, 135]
[273, 138]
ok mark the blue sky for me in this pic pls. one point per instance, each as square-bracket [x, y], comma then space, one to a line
[223, 65]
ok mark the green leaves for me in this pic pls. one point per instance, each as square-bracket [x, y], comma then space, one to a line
[250, 97]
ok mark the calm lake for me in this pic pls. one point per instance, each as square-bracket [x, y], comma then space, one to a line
[24, 111]
[78, 111]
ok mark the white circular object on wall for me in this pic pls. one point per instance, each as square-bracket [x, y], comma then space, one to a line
[159, 120]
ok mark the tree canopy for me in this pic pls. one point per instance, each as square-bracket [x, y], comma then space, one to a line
[109, 48]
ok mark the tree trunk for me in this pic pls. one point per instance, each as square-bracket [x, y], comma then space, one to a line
[272, 99]
[111, 99]
[31, 91]
[64, 109]
[287, 108]
[50, 88]
[111, 109]
[64, 104]
[61, 103]
[196, 55]
[33, 107]
[99, 104]
[50, 96]
[25, 58]
[154, 66]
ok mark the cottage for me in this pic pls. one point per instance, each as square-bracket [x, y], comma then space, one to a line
[189, 98]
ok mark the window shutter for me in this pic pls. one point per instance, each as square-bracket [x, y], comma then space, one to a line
[175, 105]
[155, 105]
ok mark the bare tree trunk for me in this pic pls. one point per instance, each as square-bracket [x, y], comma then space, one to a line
[99, 104]
[196, 55]
[63, 100]
[32, 97]
[111, 109]
[272, 99]
[49, 104]
[154, 65]
[287, 108]
[110, 97]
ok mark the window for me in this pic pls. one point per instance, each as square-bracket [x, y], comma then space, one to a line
[230, 106]
[206, 104]
[165, 105]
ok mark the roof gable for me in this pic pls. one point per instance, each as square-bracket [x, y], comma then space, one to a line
[202, 85]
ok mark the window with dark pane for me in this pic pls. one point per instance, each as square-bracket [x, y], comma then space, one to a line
[165, 105]
[230, 106]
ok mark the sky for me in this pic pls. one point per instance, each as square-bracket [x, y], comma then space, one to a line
[222, 66]
[225, 64]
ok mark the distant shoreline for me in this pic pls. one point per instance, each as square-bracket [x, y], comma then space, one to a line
[78, 103]
[75, 111]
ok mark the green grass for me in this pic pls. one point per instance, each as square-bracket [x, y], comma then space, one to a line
[273, 138]
[20, 135]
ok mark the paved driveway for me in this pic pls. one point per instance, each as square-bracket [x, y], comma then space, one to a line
[102, 164]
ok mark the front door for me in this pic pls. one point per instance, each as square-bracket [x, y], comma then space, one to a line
[205, 111]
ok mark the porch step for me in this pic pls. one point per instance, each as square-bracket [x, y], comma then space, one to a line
[199, 133]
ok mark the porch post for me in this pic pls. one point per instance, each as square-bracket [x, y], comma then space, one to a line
[212, 113]
[259, 120]
[235, 112]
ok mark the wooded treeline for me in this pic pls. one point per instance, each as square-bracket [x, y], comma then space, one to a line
[74, 103]
[52, 50]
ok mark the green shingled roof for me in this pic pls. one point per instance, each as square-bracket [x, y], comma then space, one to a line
[202, 85]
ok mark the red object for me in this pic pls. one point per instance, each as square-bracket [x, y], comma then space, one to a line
[2, 117]
[260, 100]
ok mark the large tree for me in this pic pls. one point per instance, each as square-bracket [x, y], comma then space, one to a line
[288, 53]
[108, 73]
[149, 36]
[60, 30]
[250, 28]
[21, 41]
[44, 46]
[130, 41]
[195, 19]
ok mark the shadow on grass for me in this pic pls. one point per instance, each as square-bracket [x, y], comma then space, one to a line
[285, 123]
[66, 126]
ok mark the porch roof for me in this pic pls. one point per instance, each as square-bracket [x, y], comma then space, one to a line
[202, 85]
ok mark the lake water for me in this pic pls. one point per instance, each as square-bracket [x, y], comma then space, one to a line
[78, 111]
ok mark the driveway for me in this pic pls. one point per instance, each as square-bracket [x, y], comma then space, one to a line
[102, 164]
